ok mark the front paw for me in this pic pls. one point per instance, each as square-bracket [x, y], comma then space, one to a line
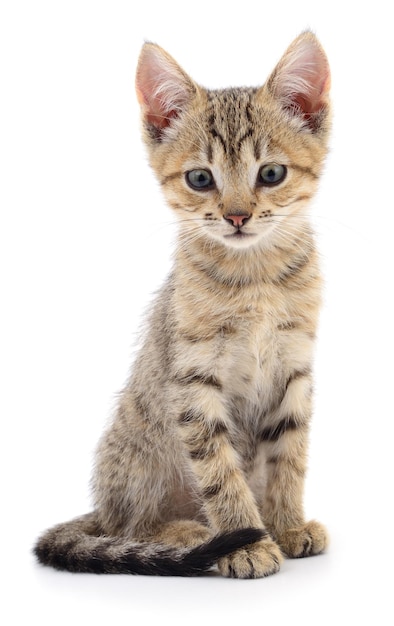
[306, 540]
[255, 561]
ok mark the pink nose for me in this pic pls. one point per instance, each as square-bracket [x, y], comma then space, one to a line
[237, 220]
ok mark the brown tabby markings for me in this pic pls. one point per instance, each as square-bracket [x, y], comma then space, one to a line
[273, 433]
[210, 436]
[196, 377]
[230, 122]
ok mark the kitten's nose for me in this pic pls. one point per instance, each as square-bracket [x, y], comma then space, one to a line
[237, 220]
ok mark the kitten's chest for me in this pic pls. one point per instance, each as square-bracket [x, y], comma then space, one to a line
[249, 337]
[255, 359]
[272, 342]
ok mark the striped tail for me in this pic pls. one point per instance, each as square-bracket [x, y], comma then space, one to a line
[77, 546]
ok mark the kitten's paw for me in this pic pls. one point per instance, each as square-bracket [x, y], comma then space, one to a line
[307, 540]
[256, 561]
[182, 533]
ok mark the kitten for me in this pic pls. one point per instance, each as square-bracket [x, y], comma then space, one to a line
[204, 462]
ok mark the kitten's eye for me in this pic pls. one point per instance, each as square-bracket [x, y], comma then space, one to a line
[271, 174]
[199, 179]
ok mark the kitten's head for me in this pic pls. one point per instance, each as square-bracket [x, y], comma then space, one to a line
[237, 164]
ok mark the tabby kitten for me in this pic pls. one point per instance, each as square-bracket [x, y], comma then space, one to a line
[204, 462]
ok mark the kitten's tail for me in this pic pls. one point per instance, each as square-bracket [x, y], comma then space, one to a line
[77, 546]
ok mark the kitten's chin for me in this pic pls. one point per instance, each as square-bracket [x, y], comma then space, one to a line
[240, 240]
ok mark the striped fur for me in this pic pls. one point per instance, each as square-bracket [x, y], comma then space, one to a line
[210, 437]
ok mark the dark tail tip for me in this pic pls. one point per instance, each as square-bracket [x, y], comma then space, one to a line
[203, 557]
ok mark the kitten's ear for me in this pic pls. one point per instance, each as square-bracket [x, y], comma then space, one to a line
[163, 88]
[301, 80]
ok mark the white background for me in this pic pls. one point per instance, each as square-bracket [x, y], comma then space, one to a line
[85, 239]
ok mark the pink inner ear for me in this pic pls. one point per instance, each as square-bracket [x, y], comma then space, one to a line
[311, 102]
[162, 87]
[157, 114]
[156, 111]
[315, 96]
[303, 78]
[159, 120]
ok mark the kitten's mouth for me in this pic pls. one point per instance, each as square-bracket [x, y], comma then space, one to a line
[240, 239]
[238, 234]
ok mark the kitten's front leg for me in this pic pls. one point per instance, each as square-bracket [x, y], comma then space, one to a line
[205, 430]
[285, 441]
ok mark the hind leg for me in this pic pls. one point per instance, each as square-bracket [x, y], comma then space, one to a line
[135, 472]
[141, 490]
[181, 533]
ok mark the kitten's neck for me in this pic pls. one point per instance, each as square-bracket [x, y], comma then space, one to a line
[262, 263]
[217, 289]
